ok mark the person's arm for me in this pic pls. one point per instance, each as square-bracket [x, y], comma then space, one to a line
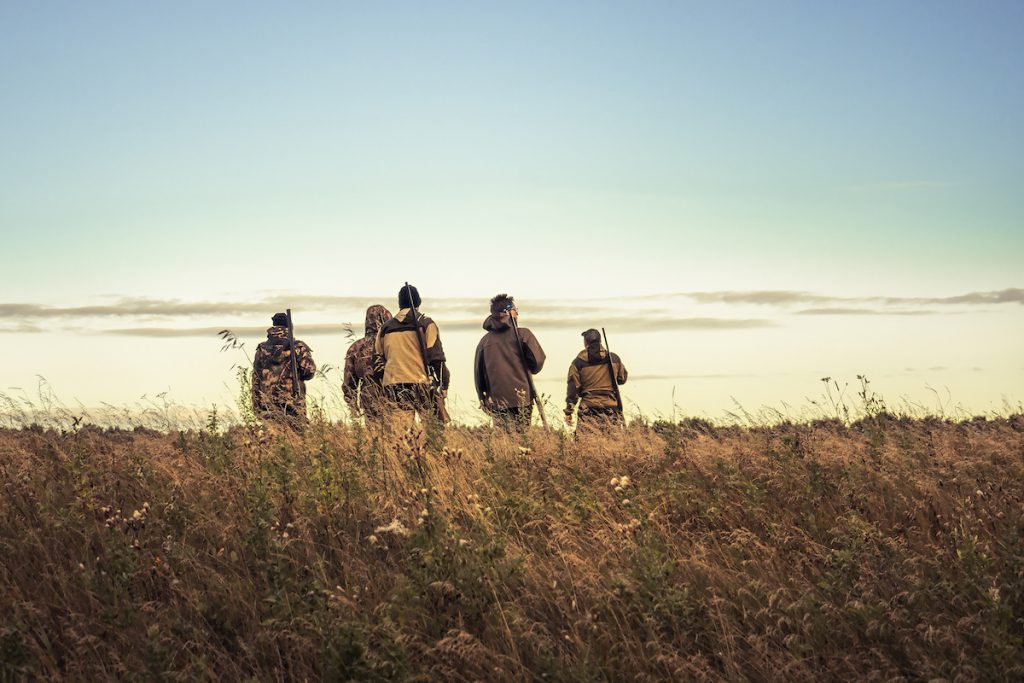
[480, 379]
[350, 383]
[534, 353]
[379, 358]
[307, 368]
[621, 375]
[572, 392]
[435, 354]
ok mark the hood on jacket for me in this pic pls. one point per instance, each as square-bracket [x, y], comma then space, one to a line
[376, 316]
[593, 354]
[277, 332]
[495, 324]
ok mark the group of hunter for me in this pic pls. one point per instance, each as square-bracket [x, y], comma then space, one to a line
[398, 370]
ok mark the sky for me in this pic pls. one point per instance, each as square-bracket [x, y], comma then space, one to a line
[750, 197]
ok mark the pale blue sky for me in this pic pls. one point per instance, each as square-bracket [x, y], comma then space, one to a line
[581, 150]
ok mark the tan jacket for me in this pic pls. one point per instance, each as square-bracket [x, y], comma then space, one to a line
[590, 383]
[398, 357]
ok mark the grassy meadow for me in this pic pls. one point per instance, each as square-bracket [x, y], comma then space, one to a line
[881, 549]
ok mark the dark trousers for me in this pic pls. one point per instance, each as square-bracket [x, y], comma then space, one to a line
[513, 419]
[599, 418]
[415, 398]
[290, 414]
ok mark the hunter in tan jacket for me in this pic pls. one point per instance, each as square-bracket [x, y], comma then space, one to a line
[590, 384]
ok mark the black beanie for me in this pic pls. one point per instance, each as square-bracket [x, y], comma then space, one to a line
[280, 319]
[403, 297]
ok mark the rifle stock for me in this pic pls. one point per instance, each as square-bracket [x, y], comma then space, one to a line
[435, 381]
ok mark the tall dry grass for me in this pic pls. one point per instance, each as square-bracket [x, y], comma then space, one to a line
[884, 550]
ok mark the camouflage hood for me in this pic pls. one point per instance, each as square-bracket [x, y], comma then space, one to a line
[277, 332]
[376, 316]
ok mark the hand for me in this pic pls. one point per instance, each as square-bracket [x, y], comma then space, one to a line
[568, 418]
[443, 393]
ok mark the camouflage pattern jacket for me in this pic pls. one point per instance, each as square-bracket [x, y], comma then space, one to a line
[272, 372]
[362, 386]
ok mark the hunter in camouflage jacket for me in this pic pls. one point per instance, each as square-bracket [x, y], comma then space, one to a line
[273, 395]
[362, 386]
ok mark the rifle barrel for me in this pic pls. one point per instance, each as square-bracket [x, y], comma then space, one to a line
[611, 372]
[534, 397]
[433, 379]
[292, 353]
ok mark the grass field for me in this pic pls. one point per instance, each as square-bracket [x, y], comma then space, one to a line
[883, 549]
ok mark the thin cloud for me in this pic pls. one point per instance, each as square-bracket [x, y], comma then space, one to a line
[859, 311]
[796, 297]
[624, 323]
[155, 308]
[1003, 296]
[761, 297]
[643, 378]
[644, 313]
[24, 328]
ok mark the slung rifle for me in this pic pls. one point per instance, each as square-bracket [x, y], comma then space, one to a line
[434, 377]
[611, 373]
[534, 397]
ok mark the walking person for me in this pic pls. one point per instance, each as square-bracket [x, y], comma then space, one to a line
[276, 397]
[590, 385]
[409, 359]
[362, 387]
[503, 365]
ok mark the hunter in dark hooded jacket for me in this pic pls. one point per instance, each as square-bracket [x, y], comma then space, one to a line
[502, 384]
[362, 386]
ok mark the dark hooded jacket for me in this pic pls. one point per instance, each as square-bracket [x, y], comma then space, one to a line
[362, 384]
[501, 379]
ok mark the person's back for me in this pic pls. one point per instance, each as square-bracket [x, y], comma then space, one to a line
[274, 392]
[362, 387]
[399, 361]
[502, 382]
[590, 383]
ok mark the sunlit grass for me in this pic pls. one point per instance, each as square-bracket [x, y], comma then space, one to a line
[875, 548]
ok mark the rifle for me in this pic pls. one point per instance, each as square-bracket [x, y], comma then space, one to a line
[611, 373]
[529, 377]
[435, 378]
[294, 360]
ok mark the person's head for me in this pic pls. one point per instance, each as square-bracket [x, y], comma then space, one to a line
[376, 316]
[280, 320]
[404, 300]
[592, 339]
[503, 306]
